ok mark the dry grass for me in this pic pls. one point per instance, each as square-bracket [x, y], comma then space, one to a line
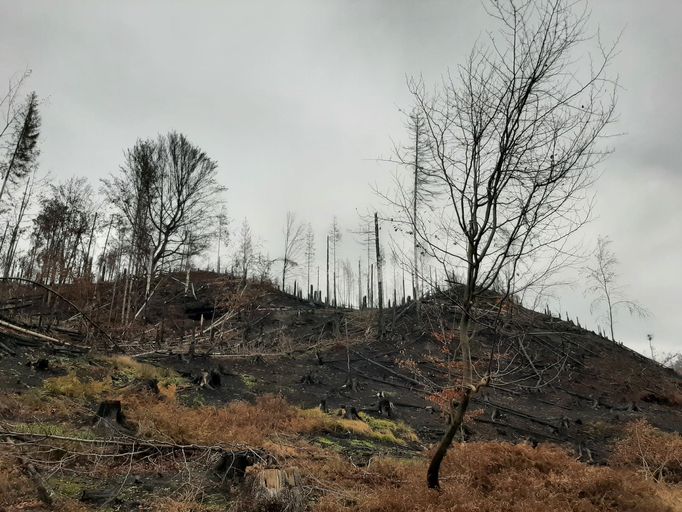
[250, 424]
[136, 370]
[655, 454]
[489, 477]
[73, 386]
[476, 477]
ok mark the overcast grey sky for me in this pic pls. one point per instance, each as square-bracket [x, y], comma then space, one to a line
[295, 100]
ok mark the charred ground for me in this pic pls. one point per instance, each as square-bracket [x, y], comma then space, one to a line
[217, 342]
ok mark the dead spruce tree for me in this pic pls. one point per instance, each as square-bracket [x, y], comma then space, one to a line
[414, 157]
[309, 257]
[166, 189]
[22, 145]
[602, 279]
[514, 136]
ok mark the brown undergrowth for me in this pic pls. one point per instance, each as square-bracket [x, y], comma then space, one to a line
[644, 471]
[655, 454]
[242, 423]
[492, 477]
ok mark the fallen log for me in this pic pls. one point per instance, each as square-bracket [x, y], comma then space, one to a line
[389, 370]
[57, 294]
[39, 336]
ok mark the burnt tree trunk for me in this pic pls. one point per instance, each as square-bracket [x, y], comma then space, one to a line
[380, 284]
[457, 418]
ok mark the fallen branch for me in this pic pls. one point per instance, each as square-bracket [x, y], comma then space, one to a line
[92, 322]
[131, 442]
[45, 493]
[43, 337]
[389, 370]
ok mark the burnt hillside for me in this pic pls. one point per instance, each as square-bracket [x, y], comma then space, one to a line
[553, 381]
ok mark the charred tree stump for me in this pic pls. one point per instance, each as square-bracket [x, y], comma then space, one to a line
[232, 466]
[349, 413]
[111, 410]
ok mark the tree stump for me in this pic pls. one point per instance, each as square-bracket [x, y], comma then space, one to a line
[110, 418]
[110, 410]
[349, 413]
[272, 482]
[274, 490]
[232, 466]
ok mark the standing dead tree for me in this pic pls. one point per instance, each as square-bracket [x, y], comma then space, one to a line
[334, 237]
[223, 233]
[380, 278]
[603, 284]
[22, 144]
[414, 156]
[293, 242]
[514, 137]
[309, 257]
[245, 257]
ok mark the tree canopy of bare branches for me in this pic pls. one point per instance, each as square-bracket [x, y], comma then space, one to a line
[166, 190]
[293, 243]
[60, 231]
[514, 138]
[602, 284]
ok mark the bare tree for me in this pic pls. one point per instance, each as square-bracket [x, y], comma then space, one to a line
[262, 266]
[334, 237]
[514, 137]
[15, 234]
[602, 279]
[60, 229]
[293, 242]
[245, 257]
[223, 232]
[309, 255]
[415, 156]
[166, 189]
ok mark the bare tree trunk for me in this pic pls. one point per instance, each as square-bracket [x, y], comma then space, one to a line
[125, 294]
[334, 269]
[371, 288]
[359, 286]
[415, 193]
[104, 251]
[87, 266]
[465, 343]
[457, 417]
[380, 283]
[327, 298]
[4, 234]
[14, 238]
